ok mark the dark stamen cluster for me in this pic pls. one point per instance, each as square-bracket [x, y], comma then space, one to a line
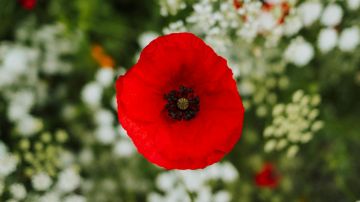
[182, 104]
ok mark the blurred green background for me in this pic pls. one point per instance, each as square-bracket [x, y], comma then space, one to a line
[299, 80]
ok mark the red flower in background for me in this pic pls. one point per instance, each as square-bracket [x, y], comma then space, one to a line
[237, 4]
[267, 177]
[179, 104]
[28, 4]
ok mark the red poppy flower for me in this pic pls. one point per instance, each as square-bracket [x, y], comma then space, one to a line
[28, 4]
[267, 177]
[179, 104]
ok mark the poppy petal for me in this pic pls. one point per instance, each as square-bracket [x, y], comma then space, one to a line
[170, 61]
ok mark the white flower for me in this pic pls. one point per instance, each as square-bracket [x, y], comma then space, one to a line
[204, 194]
[146, 37]
[270, 146]
[349, 39]
[50, 197]
[229, 172]
[332, 15]
[29, 125]
[16, 111]
[104, 117]
[105, 76]
[16, 60]
[214, 171]
[266, 21]
[74, 198]
[247, 87]
[171, 7]
[222, 196]
[92, 94]
[178, 194]
[327, 39]
[292, 26]
[20, 104]
[69, 180]
[6, 77]
[66, 158]
[41, 181]
[8, 164]
[18, 191]
[353, 4]
[124, 148]
[166, 181]
[299, 52]
[309, 12]
[292, 151]
[192, 179]
[105, 134]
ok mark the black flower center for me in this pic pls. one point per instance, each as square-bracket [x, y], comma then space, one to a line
[182, 104]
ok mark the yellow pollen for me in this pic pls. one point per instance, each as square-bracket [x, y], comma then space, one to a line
[183, 103]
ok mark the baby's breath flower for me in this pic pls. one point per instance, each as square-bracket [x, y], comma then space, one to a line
[332, 15]
[41, 181]
[299, 52]
[293, 123]
[18, 191]
[292, 151]
[8, 163]
[68, 181]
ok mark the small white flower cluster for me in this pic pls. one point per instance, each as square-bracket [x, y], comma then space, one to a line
[18, 191]
[41, 181]
[146, 37]
[8, 161]
[353, 5]
[348, 40]
[309, 12]
[248, 19]
[68, 181]
[294, 123]
[56, 44]
[299, 52]
[20, 70]
[171, 7]
[104, 119]
[269, 19]
[123, 147]
[259, 89]
[34, 153]
[179, 185]
[92, 92]
[92, 95]
[17, 63]
[177, 26]
[330, 37]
